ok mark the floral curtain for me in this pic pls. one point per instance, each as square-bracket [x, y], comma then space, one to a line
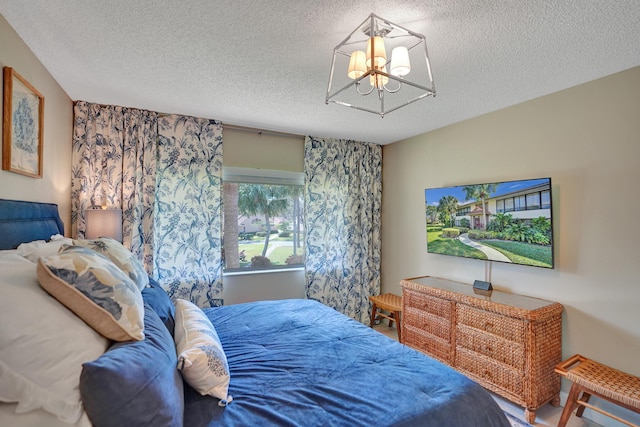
[96, 171]
[188, 209]
[343, 197]
[113, 163]
[139, 183]
[165, 175]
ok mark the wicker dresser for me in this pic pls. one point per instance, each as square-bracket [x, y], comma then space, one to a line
[508, 343]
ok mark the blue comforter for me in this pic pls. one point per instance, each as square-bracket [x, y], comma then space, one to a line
[300, 363]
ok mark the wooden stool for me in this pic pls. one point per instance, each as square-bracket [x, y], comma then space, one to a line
[388, 302]
[593, 378]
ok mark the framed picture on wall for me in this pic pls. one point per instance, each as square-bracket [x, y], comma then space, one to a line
[22, 126]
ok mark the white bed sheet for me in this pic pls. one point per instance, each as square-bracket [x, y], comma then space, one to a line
[76, 334]
[37, 418]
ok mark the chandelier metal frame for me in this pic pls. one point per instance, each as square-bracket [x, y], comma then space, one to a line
[379, 30]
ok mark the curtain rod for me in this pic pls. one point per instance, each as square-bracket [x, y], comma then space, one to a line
[260, 131]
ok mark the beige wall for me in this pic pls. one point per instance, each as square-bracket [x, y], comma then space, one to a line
[249, 149]
[55, 185]
[587, 139]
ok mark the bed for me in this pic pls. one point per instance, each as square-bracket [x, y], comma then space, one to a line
[290, 362]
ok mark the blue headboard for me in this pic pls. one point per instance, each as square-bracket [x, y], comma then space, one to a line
[22, 222]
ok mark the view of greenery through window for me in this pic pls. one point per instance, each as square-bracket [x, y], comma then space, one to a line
[263, 226]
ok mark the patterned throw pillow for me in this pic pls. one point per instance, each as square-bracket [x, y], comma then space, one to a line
[97, 291]
[120, 256]
[201, 358]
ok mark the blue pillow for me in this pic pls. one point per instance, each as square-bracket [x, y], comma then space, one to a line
[135, 383]
[158, 299]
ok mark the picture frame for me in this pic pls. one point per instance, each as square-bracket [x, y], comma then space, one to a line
[22, 125]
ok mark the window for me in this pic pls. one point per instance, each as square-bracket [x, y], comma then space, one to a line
[533, 201]
[520, 203]
[508, 205]
[463, 211]
[263, 219]
[500, 206]
[546, 199]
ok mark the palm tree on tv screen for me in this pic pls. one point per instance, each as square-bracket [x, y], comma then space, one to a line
[431, 213]
[448, 206]
[480, 192]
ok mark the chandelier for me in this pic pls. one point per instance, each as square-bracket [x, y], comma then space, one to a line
[364, 77]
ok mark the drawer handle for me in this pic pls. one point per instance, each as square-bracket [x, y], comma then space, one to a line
[487, 374]
[488, 326]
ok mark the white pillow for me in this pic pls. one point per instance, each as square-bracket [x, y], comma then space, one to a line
[42, 344]
[201, 358]
[39, 248]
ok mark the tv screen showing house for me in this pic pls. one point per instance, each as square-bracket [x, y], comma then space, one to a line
[504, 221]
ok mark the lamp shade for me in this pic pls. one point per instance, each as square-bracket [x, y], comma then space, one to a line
[103, 223]
[400, 65]
[377, 51]
[357, 65]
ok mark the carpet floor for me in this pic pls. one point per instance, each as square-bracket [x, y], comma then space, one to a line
[515, 422]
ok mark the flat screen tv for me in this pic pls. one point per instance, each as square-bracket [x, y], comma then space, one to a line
[503, 221]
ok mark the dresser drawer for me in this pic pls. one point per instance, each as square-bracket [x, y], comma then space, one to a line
[492, 346]
[427, 343]
[428, 323]
[497, 324]
[438, 306]
[488, 372]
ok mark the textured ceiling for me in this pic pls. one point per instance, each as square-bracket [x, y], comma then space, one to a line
[265, 63]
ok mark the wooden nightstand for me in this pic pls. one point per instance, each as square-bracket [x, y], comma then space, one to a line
[390, 303]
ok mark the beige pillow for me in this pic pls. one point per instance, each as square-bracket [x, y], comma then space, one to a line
[121, 256]
[201, 358]
[97, 291]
